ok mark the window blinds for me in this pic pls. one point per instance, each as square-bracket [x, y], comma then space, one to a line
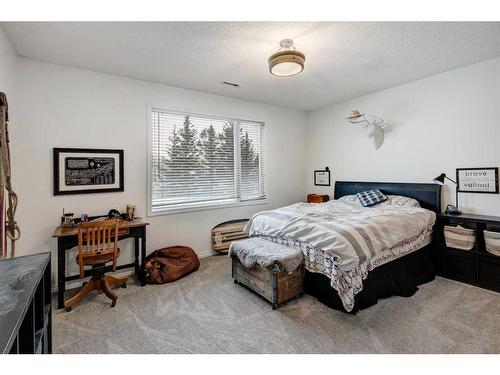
[201, 160]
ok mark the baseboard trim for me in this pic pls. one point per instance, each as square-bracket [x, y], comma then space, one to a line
[208, 253]
[78, 283]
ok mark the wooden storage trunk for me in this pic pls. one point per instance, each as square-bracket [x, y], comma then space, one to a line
[225, 233]
[276, 287]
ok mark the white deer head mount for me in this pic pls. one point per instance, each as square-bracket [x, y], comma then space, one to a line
[375, 125]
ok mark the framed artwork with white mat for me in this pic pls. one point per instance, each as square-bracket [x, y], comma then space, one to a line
[86, 171]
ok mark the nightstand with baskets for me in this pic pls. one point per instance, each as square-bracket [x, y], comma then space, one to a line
[469, 249]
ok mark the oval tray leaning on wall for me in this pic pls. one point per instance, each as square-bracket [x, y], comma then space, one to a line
[227, 232]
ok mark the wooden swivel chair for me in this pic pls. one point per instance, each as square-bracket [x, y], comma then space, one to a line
[101, 247]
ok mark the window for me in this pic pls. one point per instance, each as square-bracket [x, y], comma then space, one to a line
[203, 161]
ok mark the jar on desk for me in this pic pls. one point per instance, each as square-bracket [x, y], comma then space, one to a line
[130, 212]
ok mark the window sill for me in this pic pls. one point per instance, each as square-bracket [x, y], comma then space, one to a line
[204, 207]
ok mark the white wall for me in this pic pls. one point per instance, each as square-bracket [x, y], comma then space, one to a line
[437, 124]
[65, 107]
[8, 65]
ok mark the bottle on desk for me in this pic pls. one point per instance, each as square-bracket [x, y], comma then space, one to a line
[130, 212]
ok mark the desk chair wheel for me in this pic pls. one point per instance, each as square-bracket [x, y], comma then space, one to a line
[68, 309]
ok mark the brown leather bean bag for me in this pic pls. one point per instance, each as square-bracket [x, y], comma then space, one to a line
[169, 264]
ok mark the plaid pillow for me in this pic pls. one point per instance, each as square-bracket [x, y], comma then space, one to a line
[371, 197]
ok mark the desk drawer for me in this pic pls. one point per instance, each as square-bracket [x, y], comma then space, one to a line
[121, 233]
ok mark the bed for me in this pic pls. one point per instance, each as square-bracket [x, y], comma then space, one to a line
[355, 256]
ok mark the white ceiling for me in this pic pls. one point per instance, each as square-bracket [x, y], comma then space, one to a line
[343, 60]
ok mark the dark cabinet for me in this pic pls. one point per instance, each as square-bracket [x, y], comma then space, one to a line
[489, 272]
[476, 266]
[26, 310]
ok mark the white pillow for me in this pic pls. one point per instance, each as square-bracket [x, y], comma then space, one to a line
[396, 200]
[351, 199]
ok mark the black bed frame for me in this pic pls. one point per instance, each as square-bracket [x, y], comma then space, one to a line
[399, 277]
[428, 195]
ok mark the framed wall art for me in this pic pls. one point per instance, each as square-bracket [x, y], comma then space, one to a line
[477, 180]
[85, 171]
[322, 177]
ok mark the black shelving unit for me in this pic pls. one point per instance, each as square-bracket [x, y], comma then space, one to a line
[26, 310]
[476, 266]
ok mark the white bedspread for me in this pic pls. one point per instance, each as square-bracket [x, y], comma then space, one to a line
[267, 254]
[343, 240]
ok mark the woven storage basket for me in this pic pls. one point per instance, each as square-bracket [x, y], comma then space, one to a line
[492, 241]
[459, 237]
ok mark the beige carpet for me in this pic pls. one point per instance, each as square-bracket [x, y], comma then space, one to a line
[206, 313]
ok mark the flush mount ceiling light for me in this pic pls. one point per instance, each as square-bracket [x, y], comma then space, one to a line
[287, 61]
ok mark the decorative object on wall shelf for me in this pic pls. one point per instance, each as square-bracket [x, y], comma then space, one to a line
[83, 171]
[322, 177]
[450, 209]
[373, 123]
[477, 180]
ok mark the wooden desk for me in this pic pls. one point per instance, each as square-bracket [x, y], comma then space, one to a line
[67, 238]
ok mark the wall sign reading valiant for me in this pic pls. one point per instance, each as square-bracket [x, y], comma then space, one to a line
[477, 180]
[83, 171]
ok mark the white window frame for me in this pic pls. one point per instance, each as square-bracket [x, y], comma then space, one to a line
[191, 207]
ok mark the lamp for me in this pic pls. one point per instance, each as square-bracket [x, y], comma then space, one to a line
[287, 61]
[450, 209]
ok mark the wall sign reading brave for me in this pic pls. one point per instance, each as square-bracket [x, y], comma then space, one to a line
[477, 180]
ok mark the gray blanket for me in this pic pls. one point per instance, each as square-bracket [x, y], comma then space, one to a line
[267, 254]
[345, 241]
[350, 234]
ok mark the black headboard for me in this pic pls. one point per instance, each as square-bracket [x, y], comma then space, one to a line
[428, 195]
